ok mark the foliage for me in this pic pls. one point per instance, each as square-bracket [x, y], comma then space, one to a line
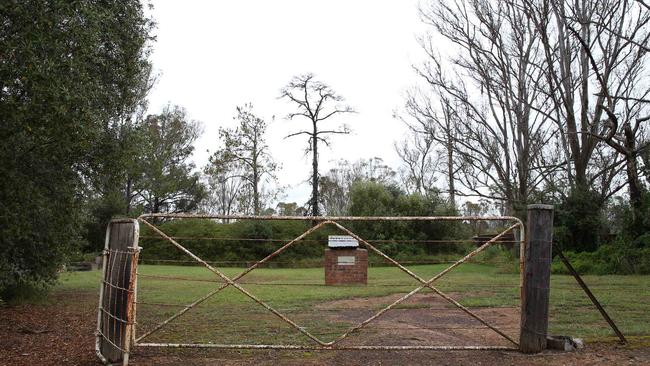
[369, 198]
[628, 222]
[243, 157]
[289, 209]
[579, 222]
[334, 186]
[168, 183]
[617, 258]
[70, 72]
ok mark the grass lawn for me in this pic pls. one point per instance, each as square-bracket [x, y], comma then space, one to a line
[230, 316]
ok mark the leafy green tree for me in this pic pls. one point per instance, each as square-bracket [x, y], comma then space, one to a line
[245, 155]
[113, 186]
[579, 221]
[69, 71]
[290, 209]
[334, 186]
[168, 182]
[370, 198]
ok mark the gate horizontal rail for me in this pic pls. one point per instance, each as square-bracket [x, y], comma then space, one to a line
[325, 348]
[334, 218]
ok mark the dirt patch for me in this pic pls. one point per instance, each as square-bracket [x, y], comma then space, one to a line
[595, 354]
[59, 333]
[423, 319]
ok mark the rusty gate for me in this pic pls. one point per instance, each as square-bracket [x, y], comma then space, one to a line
[116, 321]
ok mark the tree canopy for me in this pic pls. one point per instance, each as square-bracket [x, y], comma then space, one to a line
[70, 74]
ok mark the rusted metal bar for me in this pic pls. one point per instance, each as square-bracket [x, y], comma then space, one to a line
[339, 348]
[331, 218]
[591, 296]
[232, 283]
[424, 284]
[129, 332]
[412, 241]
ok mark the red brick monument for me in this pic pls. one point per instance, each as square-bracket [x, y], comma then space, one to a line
[345, 263]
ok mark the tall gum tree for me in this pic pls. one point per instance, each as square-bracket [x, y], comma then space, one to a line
[316, 102]
[245, 155]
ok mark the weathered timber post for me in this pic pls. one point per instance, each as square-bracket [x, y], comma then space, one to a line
[536, 284]
[116, 311]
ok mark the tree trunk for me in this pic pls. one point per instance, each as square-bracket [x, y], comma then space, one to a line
[256, 176]
[256, 194]
[314, 177]
[127, 195]
[450, 171]
[632, 171]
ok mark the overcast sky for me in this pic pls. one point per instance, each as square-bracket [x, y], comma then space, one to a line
[214, 55]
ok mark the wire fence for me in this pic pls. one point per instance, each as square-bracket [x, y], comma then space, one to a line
[268, 305]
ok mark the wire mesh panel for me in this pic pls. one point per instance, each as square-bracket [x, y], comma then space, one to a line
[116, 317]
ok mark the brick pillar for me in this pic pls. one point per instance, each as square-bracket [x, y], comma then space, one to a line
[346, 266]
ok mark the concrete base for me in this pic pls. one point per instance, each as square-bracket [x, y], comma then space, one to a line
[564, 343]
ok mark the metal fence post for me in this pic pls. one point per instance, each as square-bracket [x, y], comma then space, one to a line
[536, 279]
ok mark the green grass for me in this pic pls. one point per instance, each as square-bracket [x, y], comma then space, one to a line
[230, 316]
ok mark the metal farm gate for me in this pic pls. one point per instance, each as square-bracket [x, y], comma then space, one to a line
[117, 326]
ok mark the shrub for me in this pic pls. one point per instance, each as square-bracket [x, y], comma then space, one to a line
[618, 258]
[579, 222]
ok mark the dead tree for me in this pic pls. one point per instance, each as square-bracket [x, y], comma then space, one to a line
[594, 65]
[489, 106]
[316, 102]
[419, 163]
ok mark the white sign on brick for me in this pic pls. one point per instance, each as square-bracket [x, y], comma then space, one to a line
[346, 260]
[342, 241]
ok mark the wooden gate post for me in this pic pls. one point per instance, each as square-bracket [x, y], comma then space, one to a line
[116, 314]
[536, 284]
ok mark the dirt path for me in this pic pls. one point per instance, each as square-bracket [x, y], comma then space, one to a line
[61, 333]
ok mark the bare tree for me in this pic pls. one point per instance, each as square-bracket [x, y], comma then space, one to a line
[316, 102]
[496, 123]
[373, 169]
[596, 78]
[431, 116]
[224, 194]
[419, 163]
